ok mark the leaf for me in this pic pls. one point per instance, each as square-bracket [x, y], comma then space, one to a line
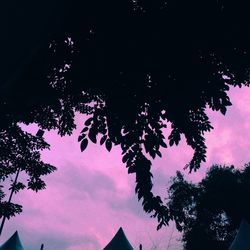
[92, 135]
[163, 144]
[125, 158]
[158, 153]
[81, 137]
[40, 133]
[159, 227]
[84, 130]
[103, 139]
[84, 144]
[152, 153]
[171, 142]
[131, 170]
[146, 146]
[140, 195]
[108, 145]
[88, 121]
[223, 110]
[17, 187]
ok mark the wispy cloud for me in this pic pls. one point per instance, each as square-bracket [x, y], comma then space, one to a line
[91, 195]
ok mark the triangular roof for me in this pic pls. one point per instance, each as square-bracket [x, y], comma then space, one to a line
[242, 239]
[119, 242]
[13, 243]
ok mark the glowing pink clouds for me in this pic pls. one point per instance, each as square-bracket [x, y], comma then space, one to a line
[91, 195]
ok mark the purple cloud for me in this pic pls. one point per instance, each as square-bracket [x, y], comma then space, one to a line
[91, 195]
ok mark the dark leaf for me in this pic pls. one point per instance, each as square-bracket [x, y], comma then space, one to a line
[125, 158]
[88, 121]
[152, 153]
[108, 145]
[158, 153]
[84, 144]
[84, 130]
[92, 135]
[163, 144]
[131, 169]
[81, 137]
[223, 110]
[171, 142]
[103, 139]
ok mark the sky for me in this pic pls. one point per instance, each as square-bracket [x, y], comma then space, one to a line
[91, 195]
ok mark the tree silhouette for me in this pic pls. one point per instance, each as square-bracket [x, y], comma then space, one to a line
[209, 212]
[132, 66]
[20, 153]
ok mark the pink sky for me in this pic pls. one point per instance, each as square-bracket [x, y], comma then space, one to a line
[91, 195]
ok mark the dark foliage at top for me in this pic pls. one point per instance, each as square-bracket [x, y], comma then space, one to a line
[209, 213]
[132, 65]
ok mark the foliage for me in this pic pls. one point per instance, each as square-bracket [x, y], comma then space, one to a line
[20, 152]
[209, 212]
[133, 66]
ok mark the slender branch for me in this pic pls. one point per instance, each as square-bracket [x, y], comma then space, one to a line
[10, 197]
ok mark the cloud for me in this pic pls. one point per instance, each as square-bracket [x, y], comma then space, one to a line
[91, 195]
[228, 143]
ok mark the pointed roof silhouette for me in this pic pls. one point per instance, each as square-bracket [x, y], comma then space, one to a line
[242, 239]
[119, 242]
[13, 243]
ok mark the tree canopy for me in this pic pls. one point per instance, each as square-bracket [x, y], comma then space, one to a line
[132, 66]
[20, 152]
[209, 212]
